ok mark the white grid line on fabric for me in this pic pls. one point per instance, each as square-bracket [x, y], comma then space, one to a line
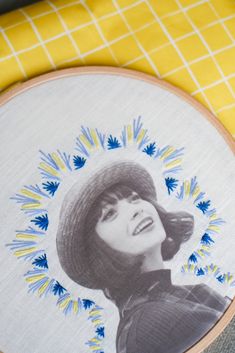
[189, 7]
[222, 23]
[114, 41]
[221, 49]
[194, 61]
[75, 2]
[190, 62]
[181, 56]
[219, 21]
[132, 61]
[110, 42]
[226, 107]
[74, 30]
[222, 20]
[226, 30]
[66, 30]
[39, 38]
[71, 31]
[122, 37]
[136, 39]
[95, 22]
[209, 50]
[92, 51]
[213, 84]
[14, 54]
[111, 14]
[103, 46]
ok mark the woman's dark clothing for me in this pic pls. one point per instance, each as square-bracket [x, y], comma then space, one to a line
[158, 317]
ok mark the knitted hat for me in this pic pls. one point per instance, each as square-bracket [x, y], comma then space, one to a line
[77, 204]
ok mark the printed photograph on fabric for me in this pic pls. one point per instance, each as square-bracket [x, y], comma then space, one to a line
[115, 235]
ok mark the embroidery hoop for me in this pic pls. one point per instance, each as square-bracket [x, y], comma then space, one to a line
[225, 319]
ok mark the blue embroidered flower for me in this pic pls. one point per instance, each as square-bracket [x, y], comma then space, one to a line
[150, 149]
[78, 162]
[200, 272]
[203, 205]
[51, 187]
[193, 258]
[41, 221]
[100, 331]
[206, 239]
[221, 278]
[113, 143]
[171, 184]
[41, 261]
[58, 289]
[87, 303]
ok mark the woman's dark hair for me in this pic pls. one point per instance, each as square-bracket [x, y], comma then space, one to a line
[115, 271]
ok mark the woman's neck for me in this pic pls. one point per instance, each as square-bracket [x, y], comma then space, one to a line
[152, 260]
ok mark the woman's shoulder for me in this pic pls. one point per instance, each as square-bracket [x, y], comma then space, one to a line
[158, 327]
[149, 323]
[143, 328]
[209, 297]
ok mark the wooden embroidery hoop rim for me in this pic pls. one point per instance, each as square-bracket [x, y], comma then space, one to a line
[211, 335]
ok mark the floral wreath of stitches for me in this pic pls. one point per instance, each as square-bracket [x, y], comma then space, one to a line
[54, 166]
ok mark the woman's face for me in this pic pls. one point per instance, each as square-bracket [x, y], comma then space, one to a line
[131, 225]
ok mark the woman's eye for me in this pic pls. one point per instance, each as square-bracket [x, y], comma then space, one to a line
[109, 214]
[134, 197]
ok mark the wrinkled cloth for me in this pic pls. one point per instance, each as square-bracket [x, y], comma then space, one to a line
[159, 317]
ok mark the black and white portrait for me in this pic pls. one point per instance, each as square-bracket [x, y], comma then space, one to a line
[114, 235]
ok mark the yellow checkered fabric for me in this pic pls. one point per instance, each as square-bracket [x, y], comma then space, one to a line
[190, 43]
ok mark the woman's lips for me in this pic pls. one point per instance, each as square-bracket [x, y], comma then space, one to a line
[142, 225]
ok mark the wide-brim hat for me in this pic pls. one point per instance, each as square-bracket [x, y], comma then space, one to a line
[70, 239]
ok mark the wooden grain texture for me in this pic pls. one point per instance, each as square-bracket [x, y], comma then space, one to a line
[103, 70]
